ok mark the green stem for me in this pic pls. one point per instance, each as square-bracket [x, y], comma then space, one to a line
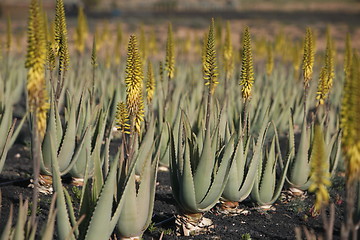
[208, 112]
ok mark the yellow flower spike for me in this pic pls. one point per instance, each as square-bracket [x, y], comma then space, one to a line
[210, 69]
[247, 72]
[228, 52]
[150, 83]
[170, 53]
[134, 83]
[122, 118]
[327, 72]
[61, 41]
[350, 114]
[50, 57]
[308, 56]
[319, 170]
[35, 62]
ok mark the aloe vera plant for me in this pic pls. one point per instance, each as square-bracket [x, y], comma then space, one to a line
[267, 186]
[91, 128]
[8, 131]
[139, 201]
[98, 198]
[198, 174]
[242, 174]
[299, 176]
[64, 146]
[22, 230]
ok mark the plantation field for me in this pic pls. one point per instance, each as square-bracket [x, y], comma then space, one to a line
[180, 123]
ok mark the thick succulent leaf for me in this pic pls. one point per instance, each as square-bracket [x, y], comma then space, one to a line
[50, 132]
[236, 174]
[256, 195]
[138, 204]
[164, 146]
[48, 229]
[62, 218]
[268, 175]
[18, 129]
[5, 235]
[300, 169]
[98, 179]
[173, 167]
[187, 195]
[128, 224]
[245, 185]
[78, 170]
[99, 226]
[153, 177]
[6, 146]
[291, 134]
[19, 231]
[220, 179]
[71, 212]
[145, 146]
[204, 170]
[68, 144]
[5, 124]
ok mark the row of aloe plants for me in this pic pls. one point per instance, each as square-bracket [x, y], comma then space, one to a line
[214, 150]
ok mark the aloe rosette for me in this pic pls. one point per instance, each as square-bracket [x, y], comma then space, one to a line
[198, 173]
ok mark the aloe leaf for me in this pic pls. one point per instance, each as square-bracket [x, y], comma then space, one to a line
[51, 131]
[19, 231]
[281, 182]
[99, 227]
[187, 194]
[6, 146]
[5, 235]
[71, 211]
[18, 129]
[68, 143]
[145, 146]
[268, 176]
[128, 223]
[220, 178]
[174, 177]
[98, 179]
[78, 170]
[63, 221]
[48, 229]
[202, 176]
[301, 167]
[236, 174]
[165, 146]
[138, 205]
[334, 159]
[246, 187]
[5, 125]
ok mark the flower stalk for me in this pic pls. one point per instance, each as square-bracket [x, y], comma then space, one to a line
[61, 46]
[210, 72]
[247, 72]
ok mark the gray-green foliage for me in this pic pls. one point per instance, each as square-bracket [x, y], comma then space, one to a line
[268, 185]
[199, 168]
[137, 210]
[243, 170]
[23, 229]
